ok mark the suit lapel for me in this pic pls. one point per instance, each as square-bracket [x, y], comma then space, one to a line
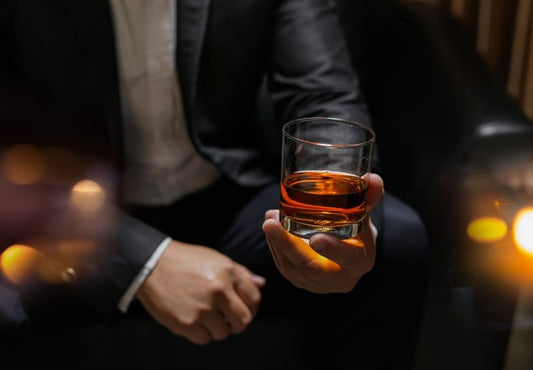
[95, 27]
[191, 24]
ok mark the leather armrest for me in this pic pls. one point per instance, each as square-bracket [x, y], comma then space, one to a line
[433, 100]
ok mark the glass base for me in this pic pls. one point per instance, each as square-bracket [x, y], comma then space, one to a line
[306, 231]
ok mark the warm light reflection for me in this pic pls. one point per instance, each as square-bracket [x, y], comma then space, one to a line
[487, 229]
[523, 230]
[88, 195]
[20, 262]
[57, 269]
[76, 247]
[63, 165]
[23, 164]
[314, 260]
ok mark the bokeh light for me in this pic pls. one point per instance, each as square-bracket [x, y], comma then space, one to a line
[76, 247]
[23, 164]
[487, 229]
[20, 263]
[57, 269]
[88, 196]
[523, 230]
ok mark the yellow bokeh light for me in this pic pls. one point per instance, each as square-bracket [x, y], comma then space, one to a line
[88, 195]
[487, 229]
[23, 164]
[20, 262]
[523, 230]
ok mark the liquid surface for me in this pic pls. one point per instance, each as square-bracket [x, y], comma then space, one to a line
[323, 198]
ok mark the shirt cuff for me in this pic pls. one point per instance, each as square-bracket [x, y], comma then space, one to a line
[128, 296]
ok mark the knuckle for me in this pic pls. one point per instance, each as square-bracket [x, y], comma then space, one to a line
[193, 319]
[348, 285]
[241, 323]
[217, 288]
[246, 319]
[200, 340]
[369, 265]
[222, 335]
[238, 328]
[228, 266]
[256, 298]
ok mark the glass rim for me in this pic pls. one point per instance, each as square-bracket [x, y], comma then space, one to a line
[370, 141]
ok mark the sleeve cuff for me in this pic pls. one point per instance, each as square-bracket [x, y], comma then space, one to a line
[374, 230]
[129, 294]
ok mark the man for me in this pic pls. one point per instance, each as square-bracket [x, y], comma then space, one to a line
[165, 93]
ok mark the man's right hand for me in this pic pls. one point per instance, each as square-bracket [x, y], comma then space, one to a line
[201, 294]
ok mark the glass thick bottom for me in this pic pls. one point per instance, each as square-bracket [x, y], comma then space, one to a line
[306, 231]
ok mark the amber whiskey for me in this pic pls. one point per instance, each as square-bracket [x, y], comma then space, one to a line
[323, 199]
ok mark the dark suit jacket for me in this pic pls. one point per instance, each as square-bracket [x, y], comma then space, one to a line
[58, 86]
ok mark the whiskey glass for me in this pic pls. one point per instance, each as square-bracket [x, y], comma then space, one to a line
[325, 164]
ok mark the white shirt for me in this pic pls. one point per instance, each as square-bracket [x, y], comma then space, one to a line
[162, 164]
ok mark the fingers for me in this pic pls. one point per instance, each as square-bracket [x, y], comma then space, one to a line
[258, 281]
[285, 247]
[217, 326]
[237, 313]
[344, 252]
[246, 288]
[375, 191]
[353, 254]
[242, 300]
[198, 334]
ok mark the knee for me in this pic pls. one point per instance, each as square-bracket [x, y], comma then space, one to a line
[403, 238]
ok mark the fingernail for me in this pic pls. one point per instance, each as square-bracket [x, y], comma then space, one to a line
[259, 280]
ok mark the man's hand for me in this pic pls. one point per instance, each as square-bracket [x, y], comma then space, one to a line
[324, 264]
[201, 294]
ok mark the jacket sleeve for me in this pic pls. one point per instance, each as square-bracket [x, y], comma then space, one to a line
[80, 274]
[118, 258]
[310, 68]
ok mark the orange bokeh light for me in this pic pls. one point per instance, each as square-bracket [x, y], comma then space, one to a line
[20, 262]
[23, 164]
